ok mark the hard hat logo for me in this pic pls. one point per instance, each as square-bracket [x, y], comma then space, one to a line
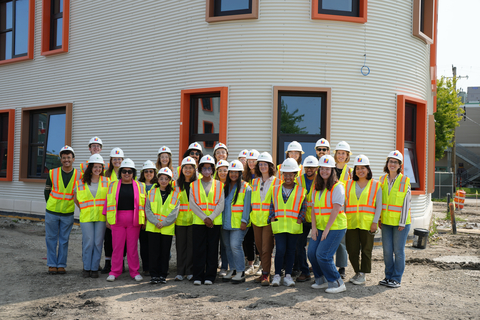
[359, 159]
[234, 165]
[325, 160]
[117, 152]
[395, 154]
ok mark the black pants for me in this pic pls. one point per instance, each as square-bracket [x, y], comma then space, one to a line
[249, 245]
[184, 243]
[107, 244]
[205, 252]
[144, 251]
[159, 246]
[301, 263]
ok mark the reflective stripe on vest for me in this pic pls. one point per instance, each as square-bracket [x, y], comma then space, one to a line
[207, 204]
[112, 202]
[286, 214]
[185, 215]
[392, 201]
[346, 175]
[161, 210]
[323, 208]
[91, 207]
[360, 212]
[237, 208]
[61, 197]
[261, 210]
[302, 183]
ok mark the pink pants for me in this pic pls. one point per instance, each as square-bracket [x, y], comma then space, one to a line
[122, 229]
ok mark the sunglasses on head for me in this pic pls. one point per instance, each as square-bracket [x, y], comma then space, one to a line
[194, 153]
[127, 171]
[322, 149]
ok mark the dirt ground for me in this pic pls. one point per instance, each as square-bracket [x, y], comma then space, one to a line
[440, 282]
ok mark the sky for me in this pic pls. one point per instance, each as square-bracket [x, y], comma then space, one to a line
[458, 41]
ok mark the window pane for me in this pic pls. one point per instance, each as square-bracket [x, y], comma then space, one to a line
[36, 156]
[57, 6]
[408, 167]
[3, 144]
[301, 115]
[39, 125]
[6, 45]
[58, 36]
[21, 26]
[410, 112]
[230, 5]
[6, 15]
[208, 113]
[339, 5]
[56, 140]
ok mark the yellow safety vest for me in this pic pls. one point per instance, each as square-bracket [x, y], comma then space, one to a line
[286, 214]
[237, 208]
[162, 210]
[207, 204]
[113, 176]
[185, 215]
[91, 207]
[299, 172]
[112, 202]
[360, 212]
[61, 198]
[392, 202]
[261, 210]
[346, 175]
[302, 183]
[323, 208]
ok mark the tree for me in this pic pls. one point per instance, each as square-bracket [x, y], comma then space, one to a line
[289, 120]
[447, 116]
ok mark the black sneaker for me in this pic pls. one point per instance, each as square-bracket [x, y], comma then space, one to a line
[162, 280]
[383, 282]
[154, 280]
[342, 273]
[107, 268]
[393, 284]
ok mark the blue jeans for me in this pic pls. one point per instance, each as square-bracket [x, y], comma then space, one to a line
[92, 241]
[57, 231]
[233, 240]
[285, 251]
[341, 258]
[300, 252]
[223, 254]
[320, 254]
[393, 242]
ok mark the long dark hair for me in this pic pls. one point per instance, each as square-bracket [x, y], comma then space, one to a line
[108, 173]
[200, 167]
[320, 183]
[87, 175]
[159, 164]
[247, 174]
[181, 179]
[271, 169]
[369, 175]
[226, 188]
[143, 179]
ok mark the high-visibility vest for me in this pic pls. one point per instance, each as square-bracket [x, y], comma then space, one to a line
[286, 214]
[346, 175]
[91, 207]
[280, 175]
[207, 204]
[261, 210]
[302, 183]
[61, 198]
[112, 202]
[323, 208]
[237, 207]
[360, 212]
[113, 176]
[392, 202]
[162, 209]
[185, 215]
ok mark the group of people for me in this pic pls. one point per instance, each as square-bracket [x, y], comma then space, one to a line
[246, 207]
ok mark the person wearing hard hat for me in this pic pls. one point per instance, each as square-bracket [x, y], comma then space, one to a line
[249, 169]
[207, 203]
[164, 158]
[161, 208]
[262, 187]
[322, 148]
[363, 206]
[196, 152]
[221, 175]
[59, 210]
[95, 146]
[220, 152]
[294, 151]
[125, 211]
[236, 217]
[221, 171]
[90, 194]
[242, 157]
[183, 224]
[287, 214]
[329, 225]
[310, 164]
[395, 220]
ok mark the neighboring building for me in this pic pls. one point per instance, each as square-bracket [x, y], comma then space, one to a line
[145, 74]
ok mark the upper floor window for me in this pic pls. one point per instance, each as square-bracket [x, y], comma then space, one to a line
[424, 19]
[56, 21]
[222, 10]
[7, 129]
[14, 23]
[340, 10]
[55, 26]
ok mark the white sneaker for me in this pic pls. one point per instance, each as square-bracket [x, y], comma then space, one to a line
[257, 262]
[138, 278]
[249, 271]
[276, 280]
[222, 273]
[190, 277]
[360, 279]
[354, 278]
[178, 277]
[239, 278]
[197, 282]
[320, 286]
[336, 290]
[208, 282]
[111, 278]
[259, 271]
[288, 281]
[228, 276]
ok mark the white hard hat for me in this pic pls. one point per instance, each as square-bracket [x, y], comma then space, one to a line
[219, 146]
[67, 148]
[207, 159]
[310, 161]
[148, 165]
[265, 157]
[165, 171]
[361, 160]
[327, 161]
[253, 154]
[235, 165]
[322, 143]
[127, 163]
[95, 140]
[195, 146]
[396, 155]
[295, 146]
[164, 149]
[189, 160]
[290, 165]
[221, 163]
[96, 158]
[342, 145]
[243, 153]
[116, 153]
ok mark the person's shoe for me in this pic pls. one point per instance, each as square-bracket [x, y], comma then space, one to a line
[146, 273]
[107, 267]
[303, 277]
[239, 278]
[265, 280]
[360, 279]
[229, 276]
[319, 286]
[276, 280]
[249, 270]
[296, 273]
[178, 277]
[384, 282]
[342, 273]
[258, 280]
[393, 284]
[86, 273]
[111, 278]
[154, 280]
[197, 282]
[52, 270]
[61, 271]
[222, 273]
[190, 277]
[94, 274]
[208, 282]
[337, 289]
[138, 278]
[259, 271]
[354, 278]
[288, 281]
[162, 280]
[256, 263]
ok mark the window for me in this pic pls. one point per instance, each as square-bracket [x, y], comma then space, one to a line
[55, 26]
[302, 114]
[223, 10]
[45, 130]
[340, 10]
[424, 19]
[410, 154]
[7, 129]
[16, 30]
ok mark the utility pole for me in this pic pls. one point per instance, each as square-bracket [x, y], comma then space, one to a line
[454, 147]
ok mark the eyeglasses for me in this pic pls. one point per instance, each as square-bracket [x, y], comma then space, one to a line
[194, 153]
[127, 171]
[322, 149]
[149, 171]
[207, 169]
[393, 162]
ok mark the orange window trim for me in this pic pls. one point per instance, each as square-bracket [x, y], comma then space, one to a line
[362, 17]
[421, 136]
[31, 35]
[10, 141]
[185, 115]
[46, 26]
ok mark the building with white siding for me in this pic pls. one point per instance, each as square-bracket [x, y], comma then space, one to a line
[142, 74]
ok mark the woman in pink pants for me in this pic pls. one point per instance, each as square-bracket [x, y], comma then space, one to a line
[125, 210]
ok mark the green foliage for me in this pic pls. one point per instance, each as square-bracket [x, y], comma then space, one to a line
[289, 120]
[447, 115]
[433, 231]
